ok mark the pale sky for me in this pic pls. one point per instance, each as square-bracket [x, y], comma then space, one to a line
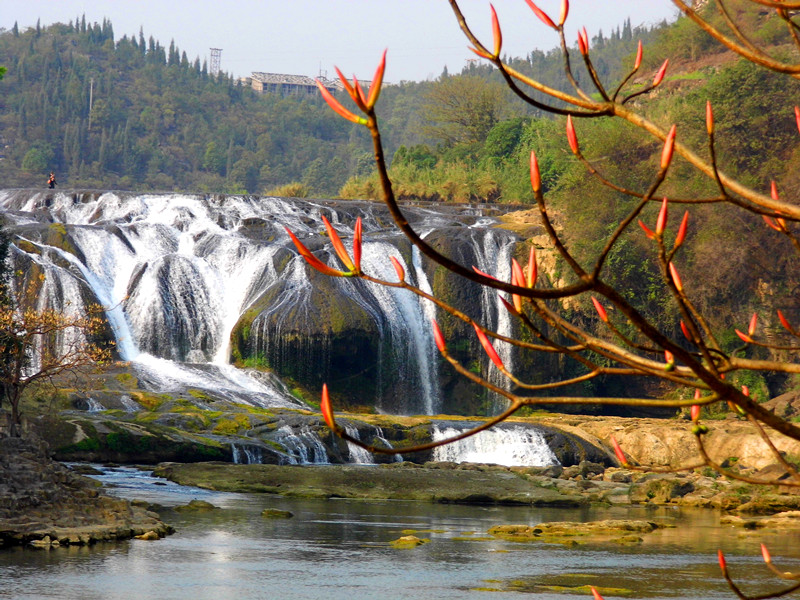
[305, 37]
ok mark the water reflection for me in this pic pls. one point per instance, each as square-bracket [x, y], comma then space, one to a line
[338, 550]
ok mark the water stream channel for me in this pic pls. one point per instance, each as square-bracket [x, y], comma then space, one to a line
[339, 550]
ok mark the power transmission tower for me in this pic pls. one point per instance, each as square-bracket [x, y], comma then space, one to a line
[216, 55]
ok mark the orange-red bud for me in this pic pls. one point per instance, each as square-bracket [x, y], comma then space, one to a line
[600, 310]
[583, 42]
[751, 329]
[564, 12]
[398, 268]
[325, 408]
[639, 52]
[438, 337]
[595, 593]
[669, 146]
[660, 74]
[532, 267]
[765, 554]
[697, 394]
[745, 338]
[479, 272]
[722, 564]
[682, 230]
[773, 190]
[709, 118]
[661, 222]
[572, 138]
[676, 278]
[669, 358]
[497, 35]
[685, 331]
[377, 82]
[771, 223]
[509, 307]
[797, 116]
[517, 278]
[785, 322]
[745, 390]
[536, 179]
[488, 348]
[618, 451]
[362, 99]
[541, 14]
[357, 245]
[337, 107]
[338, 246]
[647, 231]
[481, 53]
[695, 412]
[313, 260]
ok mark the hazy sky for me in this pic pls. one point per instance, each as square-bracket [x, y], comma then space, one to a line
[305, 36]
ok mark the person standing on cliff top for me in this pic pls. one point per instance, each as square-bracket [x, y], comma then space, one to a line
[51, 182]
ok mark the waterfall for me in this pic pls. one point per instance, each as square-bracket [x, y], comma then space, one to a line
[510, 445]
[493, 252]
[252, 455]
[303, 447]
[358, 455]
[178, 275]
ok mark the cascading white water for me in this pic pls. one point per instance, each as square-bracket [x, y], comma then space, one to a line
[493, 256]
[302, 447]
[358, 455]
[510, 445]
[175, 273]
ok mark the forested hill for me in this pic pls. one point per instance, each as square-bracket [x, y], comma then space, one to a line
[160, 121]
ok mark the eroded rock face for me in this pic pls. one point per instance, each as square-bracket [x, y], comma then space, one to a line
[43, 504]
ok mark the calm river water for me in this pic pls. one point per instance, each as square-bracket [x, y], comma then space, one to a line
[339, 550]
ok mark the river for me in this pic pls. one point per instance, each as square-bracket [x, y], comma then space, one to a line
[339, 550]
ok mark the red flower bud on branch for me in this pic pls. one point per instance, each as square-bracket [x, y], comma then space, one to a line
[377, 82]
[362, 99]
[325, 408]
[797, 116]
[438, 337]
[745, 391]
[745, 338]
[479, 272]
[676, 278]
[536, 179]
[488, 348]
[669, 358]
[583, 42]
[697, 394]
[517, 278]
[541, 14]
[751, 329]
[398, 268]
[497, 35]
[564, 12]
[595, 593]
[669, 146]
[338, 245]
[772, 223]
[571, 137]
[765, 554]
[618, 451]
[695, 412]
[682, 230]
[661, 72]
[532, 267]
[481, 53]
[661, 222]
[357, 245]
[722, 564]
[785, 322]
[709, 118]
[685, 331]
[773, 190]
[347, 87]
[337, 107]
[647, 231]
[313, 260]
[600, 310]
[639, 52]
[509, 307]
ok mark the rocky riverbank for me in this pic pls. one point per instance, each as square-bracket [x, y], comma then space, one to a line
[44, 504]
[583, 484]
